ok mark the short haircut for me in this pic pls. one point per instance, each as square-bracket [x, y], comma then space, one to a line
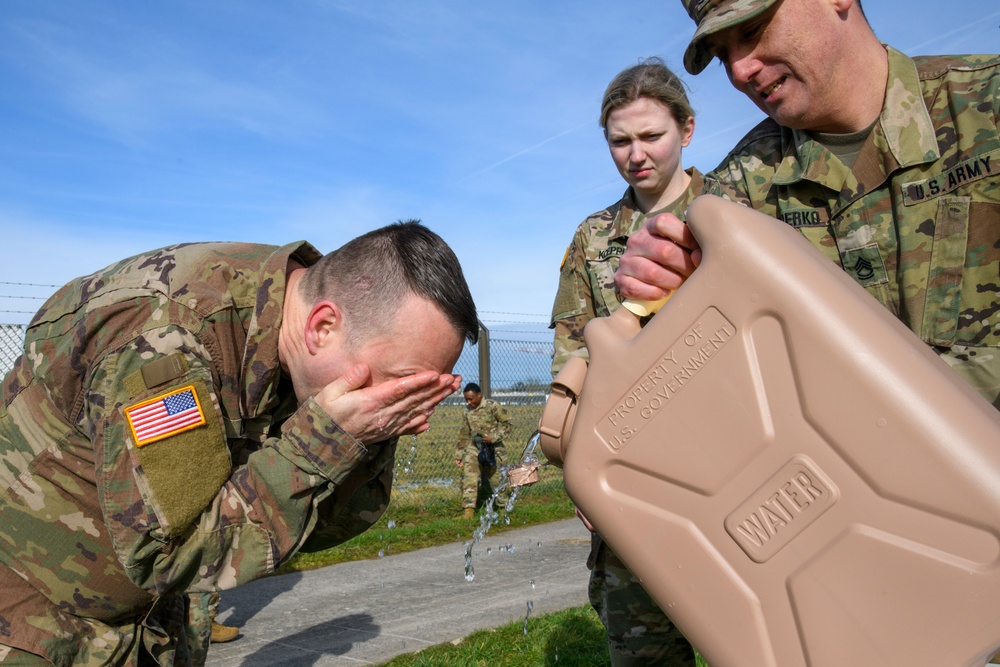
[473, 387]
[369, 278]
[652, 79]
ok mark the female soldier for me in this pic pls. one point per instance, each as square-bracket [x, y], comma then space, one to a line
[647, 120]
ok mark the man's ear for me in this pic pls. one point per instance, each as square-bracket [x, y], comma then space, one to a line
[324, 326]
[841, 6]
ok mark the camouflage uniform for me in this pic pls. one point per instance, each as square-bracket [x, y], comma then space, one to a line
[100, 538]
[639, 633]
[916, 221]
[489, 419]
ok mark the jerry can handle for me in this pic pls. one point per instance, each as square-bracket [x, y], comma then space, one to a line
[560, 408]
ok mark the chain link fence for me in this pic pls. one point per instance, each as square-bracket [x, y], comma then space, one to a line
[514, 373]
[11, 344]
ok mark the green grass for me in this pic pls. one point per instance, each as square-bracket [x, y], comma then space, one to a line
[430, 519]
[569, 638]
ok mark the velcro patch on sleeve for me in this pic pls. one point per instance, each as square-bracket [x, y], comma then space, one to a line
[181, 475]
[168, 414]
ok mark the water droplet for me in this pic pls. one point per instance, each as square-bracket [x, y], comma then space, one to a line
[469, 572]
[391, 523]
[489, 551]
[532, 583]
[510, 548]
[381, 553]
[531, 605]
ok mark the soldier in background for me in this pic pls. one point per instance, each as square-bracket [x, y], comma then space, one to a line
[647, 121]
[481, 450]
[188, 419]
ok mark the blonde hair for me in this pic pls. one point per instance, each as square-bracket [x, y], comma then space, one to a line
[650, 78]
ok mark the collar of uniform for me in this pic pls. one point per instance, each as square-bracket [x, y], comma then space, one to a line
[798, 151]
[905, 120]
[627, 213]
[261, 368]
[904, 124]
[678, 206]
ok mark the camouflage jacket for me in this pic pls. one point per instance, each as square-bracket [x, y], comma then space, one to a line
[490, 420]
[587, 274]
[150, 445]
[917, 220]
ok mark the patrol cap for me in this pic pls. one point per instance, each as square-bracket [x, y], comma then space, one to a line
[712, 16]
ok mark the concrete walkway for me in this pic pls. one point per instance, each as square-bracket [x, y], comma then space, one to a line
[366, 612]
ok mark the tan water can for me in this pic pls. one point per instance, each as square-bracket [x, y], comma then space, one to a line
[796, 479]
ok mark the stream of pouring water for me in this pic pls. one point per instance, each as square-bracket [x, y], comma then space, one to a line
[491, 516]
[391, 523]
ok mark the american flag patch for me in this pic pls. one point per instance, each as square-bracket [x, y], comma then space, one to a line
[165, 415]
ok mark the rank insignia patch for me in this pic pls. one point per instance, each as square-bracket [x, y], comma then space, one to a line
[166, 415]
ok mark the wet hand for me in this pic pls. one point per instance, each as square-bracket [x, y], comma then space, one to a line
[400, 406]
[658, 258]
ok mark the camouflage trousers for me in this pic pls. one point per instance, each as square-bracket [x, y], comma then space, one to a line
[477, 487]
[201, 608]
[12, 657]
[639, 633]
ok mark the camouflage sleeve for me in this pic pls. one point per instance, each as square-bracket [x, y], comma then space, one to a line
[727, 182]
[179, 516]
[573, 306]
[355, 504]
[568, 341]
[502, 424]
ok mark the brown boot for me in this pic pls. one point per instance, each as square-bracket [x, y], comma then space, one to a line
[470, 513]
[223, 633]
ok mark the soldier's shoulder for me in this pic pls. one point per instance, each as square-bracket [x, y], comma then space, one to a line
[765, 134]
[601, 219]
[761, 147]
[936, 67]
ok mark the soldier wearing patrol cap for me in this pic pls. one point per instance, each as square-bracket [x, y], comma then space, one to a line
[187, 419]
[889, 165]
[485, 424]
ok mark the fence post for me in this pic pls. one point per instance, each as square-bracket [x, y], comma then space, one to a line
[484, 360]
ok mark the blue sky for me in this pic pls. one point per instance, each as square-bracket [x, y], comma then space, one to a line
[132, 125]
